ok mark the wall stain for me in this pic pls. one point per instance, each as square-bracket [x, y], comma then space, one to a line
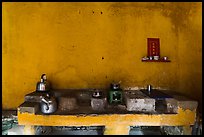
[122, 35]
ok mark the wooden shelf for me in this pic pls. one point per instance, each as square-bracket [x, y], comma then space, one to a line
[156, 61]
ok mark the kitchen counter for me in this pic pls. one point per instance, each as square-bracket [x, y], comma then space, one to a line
[116, 119]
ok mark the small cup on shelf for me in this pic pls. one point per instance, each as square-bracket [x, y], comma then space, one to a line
[150, 57]
[156, 57]
[165, 58]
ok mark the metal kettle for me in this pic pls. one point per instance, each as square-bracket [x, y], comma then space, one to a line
[43, 84]
[115, 86]
[48, 104]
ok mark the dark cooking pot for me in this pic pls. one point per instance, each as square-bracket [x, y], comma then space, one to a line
[115, 86]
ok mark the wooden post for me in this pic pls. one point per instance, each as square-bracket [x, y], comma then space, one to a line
[187, 130]
[29, 130]
[117, 129]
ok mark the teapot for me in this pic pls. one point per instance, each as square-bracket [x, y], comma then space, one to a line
[48, 104]
[43, 84]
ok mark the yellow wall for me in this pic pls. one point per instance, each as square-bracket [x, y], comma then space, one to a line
[67, 41]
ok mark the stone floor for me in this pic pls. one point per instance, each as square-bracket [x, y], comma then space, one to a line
[93, 131]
